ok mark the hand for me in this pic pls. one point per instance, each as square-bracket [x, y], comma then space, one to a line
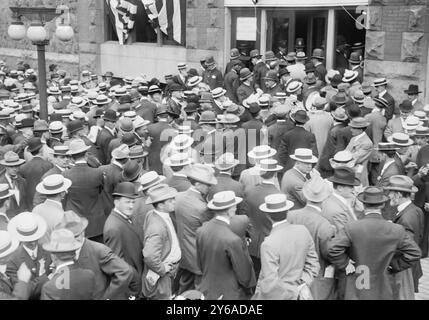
[23, 273]
[168, 267]
[259, 91]
[426, 207]
[411, 165]
[350, 267]
[423, 171]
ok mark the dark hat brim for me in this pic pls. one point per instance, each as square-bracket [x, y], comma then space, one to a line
[355, 183]
[383, 199]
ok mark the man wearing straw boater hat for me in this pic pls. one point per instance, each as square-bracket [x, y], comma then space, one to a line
[411, 217]
[297, 262]
[191, 212]
[316, 191]
[17, 184]
[120, 234]
[113, 276]
[227, 271]
[80, 282]
[29, 229]
[253, 197]
[161, 248]
[54, 188]
[381, 88]
[178, 180]
[361, 245]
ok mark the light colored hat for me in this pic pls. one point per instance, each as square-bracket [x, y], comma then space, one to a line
[304, 155]
[330, 74]
[61, 150]
[218, 92]
[150, 179]
[411, 123]
[262, 152]
[268, 165]
[422, 132]
[131, 115]
[317, 189]
[226, 162]
[194, 81]
[201, 173]
[121, 152]
[350, 75]
[184, 130]
[56, 127]
[181, 142]
[275, 203]
[224, 200]
[139, 122]
[79, 115]
[344, 156]
[228, 118]
[400, 139]
[401, 183]
[77, 146]
[5, 191]
[421, 115]
[380, 82]
[53, 184]
[293, 86]
[73, 222]
[8, 243]
[27, 227]
[359, 123]
[178, 159]
[62, 240]
[11, 159]
[159, 193]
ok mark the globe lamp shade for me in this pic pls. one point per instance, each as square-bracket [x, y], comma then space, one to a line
[64, 32]
[36, 32]
[16, 30]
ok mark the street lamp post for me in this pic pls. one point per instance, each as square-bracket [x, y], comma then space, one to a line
[39, 16]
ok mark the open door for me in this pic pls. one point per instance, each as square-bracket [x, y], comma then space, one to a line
[280, 26]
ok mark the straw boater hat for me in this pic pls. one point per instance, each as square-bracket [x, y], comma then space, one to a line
[226, 162]
[380, 82]
[53, 184]
[400, 139]
[422, 132]
[317, 189]
[149, 180]
[275, 203]
[5, 192]
[178, 160]
[201, 173]
[262, 152]
[61, 241]
[77, 146]
[411, 123]
[27, 227]
[304, 155]
[160, 193]
[11, 159]
[350, 75]
[224, 200]
[8, 244]
[373, 195]
[342, 159]
[61, 151]
[268, 165]
[181, 142]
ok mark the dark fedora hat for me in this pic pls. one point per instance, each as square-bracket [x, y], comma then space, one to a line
[74, 126]
[412, 89]
[131, 171]
[406, 106]
[344, 176]
[372, 195]
[355, 58]
[309, 67]
[110, 115]
[34, 144]
[126, 190]
[300, 116]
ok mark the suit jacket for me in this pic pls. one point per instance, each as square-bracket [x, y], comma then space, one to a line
[39, 268]
[156, 247]
[191, 212]
[292, 183]
[8, 291]
[252, 177]
[294, 139]
[112, 176]
[213, 78]
[113, 276]
[84, 196]
[259, 71]
[243, 92]
[155, 131]
[103, 140]
[140, 210]
[179, 183]
[320, 72]
[276, 131]
[395, 168]
[260, 225]
[32, 172]
[81, 285]
[14, 207]
[375, 244]
[361, 148]
[147, 110]
[225, 262]
[320, 124]
[122, 237]
[231, 83]
[226, 183]
[390, 110]
[377, 126]
[288, 256]
[52, 212]
[38, 197]
[394, 125]
[329, 149]
[337, 212]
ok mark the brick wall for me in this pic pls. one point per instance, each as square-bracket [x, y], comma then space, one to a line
[397, 44]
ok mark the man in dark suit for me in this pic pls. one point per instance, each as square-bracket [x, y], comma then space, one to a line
[226, 164]
[29, 252]
[298, 137]
[253, 198]
[113, 276]
[222, 256]
[78, 283]
[232, 81]
[10, 176]
[381, 85]
[211, 75]
[410, 217]
[84, 196]
[33, 170]
[120, 233]
[107, 134]
[260, 69]
[147, 109]
[373, 247]
[159, 132]
[191, 212]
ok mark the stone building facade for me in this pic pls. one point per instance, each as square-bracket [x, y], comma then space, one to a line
[396, 41]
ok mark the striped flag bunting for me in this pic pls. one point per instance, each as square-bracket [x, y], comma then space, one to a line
[123, 14]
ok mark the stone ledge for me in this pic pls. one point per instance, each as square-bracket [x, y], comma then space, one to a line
[32, 54]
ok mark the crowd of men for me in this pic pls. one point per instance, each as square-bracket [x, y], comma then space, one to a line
[276, 179]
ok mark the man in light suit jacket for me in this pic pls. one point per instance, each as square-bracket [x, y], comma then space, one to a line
[191, 212]
[288, 256]
[114, 278]
[361, 148]
[222, 256]
[293, 180]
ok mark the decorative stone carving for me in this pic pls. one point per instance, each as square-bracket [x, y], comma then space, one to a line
[411, 46]
[414, 2]
[380, 2]
[375, 15]
[416, 21]
[374, 45]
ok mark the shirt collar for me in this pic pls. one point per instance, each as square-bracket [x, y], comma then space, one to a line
[62, 265]
[402, 207]
[225, 173]
[31, 252]
[382, 93]
[195, 190]
[224, 219]
[116, 163]
[178, 174]
[414, 101]
[314, 207]
[122, 215]
[81, 162]
[275, 224]
[268, 182]
[110, 130]
[163, 215]
[299, 171]
[372, 212]
[61, 169]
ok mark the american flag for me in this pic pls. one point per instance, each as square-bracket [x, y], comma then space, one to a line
[169, 16]
[124, 12]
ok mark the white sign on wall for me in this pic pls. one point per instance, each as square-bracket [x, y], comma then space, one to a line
[246, 28]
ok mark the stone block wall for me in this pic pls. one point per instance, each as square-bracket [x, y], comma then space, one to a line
[397, 44]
